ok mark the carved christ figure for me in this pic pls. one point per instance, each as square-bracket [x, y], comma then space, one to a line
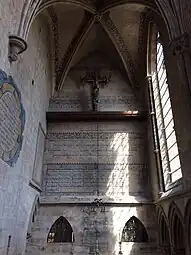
[95, 80]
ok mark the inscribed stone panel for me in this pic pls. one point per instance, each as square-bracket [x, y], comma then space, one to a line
[108, 159]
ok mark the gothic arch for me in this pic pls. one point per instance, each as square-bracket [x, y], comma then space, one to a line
[134, 231]
[156, 24]
[176, 228]
[33, 213]
[176, 20]
[149, 3]
[61, 231]
[163, 230]
[187, 221]
[32, 8]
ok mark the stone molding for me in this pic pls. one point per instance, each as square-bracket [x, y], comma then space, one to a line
[121, 47]
[180, 44]
[73, 47]
[17, 45]
[109, 4]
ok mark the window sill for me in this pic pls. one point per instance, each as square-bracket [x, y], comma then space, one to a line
[173, 185]
[35, 186]
[174, 189]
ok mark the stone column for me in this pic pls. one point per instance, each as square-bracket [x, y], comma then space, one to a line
[179, 79]
[155, 135]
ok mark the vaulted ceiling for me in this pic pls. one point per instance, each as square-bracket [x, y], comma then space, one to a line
[116, 28]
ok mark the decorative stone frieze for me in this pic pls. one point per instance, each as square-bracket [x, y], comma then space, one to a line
[17, 45]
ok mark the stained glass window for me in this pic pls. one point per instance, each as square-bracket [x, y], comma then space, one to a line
[134, 231]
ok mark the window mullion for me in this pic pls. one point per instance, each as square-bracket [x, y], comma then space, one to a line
[163, 127]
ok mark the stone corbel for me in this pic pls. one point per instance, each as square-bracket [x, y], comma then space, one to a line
[180, 44]
[17, 45]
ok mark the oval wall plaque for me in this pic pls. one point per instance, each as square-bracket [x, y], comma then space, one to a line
[12, 120]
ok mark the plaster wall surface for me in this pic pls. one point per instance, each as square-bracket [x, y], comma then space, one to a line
[16, 196]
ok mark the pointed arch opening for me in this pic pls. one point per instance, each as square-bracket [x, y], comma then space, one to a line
[188, 222]
[178, 235]
[134, 231]
[61, 232]
[164, 235]
[177, 229]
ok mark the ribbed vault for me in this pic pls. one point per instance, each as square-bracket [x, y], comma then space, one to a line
[73, 21]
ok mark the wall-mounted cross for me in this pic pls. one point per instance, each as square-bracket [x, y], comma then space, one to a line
[96, 81]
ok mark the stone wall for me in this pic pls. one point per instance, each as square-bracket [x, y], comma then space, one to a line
[32, 75]
[117, 95]
[86, 160]
[109, 225]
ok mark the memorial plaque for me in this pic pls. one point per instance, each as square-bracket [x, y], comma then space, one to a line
[12, 120]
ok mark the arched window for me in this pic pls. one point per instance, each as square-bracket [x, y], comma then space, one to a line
[61, 231]
[162, 110]
[134, 231]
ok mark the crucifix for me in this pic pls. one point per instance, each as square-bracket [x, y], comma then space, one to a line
[96, 81]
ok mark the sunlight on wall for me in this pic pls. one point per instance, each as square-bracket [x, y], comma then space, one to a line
[126, 179]
[120, 217]
[118, 183]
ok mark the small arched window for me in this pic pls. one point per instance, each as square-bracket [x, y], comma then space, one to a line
[164, 130]
[134, 231]
[61, 231]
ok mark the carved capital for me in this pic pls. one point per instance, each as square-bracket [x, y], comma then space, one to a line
[17, 45]
[179, 44]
